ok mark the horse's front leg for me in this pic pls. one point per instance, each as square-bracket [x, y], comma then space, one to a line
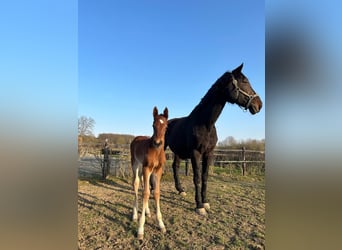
[158, 174]
[175, 167]
[195, 160]
[146, 196]
[205, 170]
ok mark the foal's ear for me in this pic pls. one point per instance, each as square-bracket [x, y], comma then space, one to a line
[166, 113]
[237, 71]
[155, 111]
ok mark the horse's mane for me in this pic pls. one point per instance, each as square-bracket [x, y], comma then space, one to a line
[212, 93]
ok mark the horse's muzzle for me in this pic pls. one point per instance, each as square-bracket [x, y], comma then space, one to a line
[255, 106]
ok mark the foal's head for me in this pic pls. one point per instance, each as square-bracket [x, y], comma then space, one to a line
[159, 127]
[240, 91]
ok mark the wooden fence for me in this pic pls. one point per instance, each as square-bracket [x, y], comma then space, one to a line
[119, 157]
[242, 157]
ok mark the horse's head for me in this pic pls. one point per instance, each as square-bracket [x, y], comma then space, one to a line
[240, 91]
[159, 127]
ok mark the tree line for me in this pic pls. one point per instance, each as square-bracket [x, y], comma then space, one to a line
[86, 126]
[113, 139]
[252, 144]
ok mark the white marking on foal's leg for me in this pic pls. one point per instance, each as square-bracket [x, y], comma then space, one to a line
[146, 194]
[147, 212]
[135, 213]
[159, 216]
[161, 223]
[141, 228]
[157, 200]
[141, 224]
[136, 198]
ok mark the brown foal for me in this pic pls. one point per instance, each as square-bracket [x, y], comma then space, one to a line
[148, 157]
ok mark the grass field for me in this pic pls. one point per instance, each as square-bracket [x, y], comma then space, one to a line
[236, 219]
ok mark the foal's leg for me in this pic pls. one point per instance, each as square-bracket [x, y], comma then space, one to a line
[205, 170]
[147, 211]
[146, 196]
[175, 166]
[195, 160]
[158, 174]
[136, 178]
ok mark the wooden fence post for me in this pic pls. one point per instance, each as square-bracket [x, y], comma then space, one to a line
[243, 161]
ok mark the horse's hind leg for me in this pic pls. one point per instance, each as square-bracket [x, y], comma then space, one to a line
[136, 191]
[175, 166]
[158, 175]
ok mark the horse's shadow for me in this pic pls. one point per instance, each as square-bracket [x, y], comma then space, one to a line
[112, 185]
[95, 204]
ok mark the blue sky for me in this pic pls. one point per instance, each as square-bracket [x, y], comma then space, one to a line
[134, 55]
[174, 51]
[38, 69]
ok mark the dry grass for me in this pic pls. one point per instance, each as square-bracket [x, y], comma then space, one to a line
[236, 219]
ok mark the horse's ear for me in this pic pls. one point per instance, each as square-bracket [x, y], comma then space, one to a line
[237, 71]
[155, 111]
[166, 113]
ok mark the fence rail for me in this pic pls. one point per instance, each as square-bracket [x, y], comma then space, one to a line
[119, 156]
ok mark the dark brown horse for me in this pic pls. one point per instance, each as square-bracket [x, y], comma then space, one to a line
[194, 136]
[148, 158]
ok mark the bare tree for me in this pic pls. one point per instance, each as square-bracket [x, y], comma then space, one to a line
[85, 125]
[229, 141]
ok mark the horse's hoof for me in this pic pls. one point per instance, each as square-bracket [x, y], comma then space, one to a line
[206, 206]
[163, 230]
[140, 236]
[182, 193]
[135, 219]
[201, 211]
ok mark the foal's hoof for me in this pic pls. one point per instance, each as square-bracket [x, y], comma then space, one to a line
[140, 236]
[206, 206]
[201, 211]
[182, 193]
[163, 230]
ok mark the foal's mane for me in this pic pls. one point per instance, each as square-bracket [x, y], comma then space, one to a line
[212, 93]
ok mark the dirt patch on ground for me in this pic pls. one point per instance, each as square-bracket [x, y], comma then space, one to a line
[236, 219]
